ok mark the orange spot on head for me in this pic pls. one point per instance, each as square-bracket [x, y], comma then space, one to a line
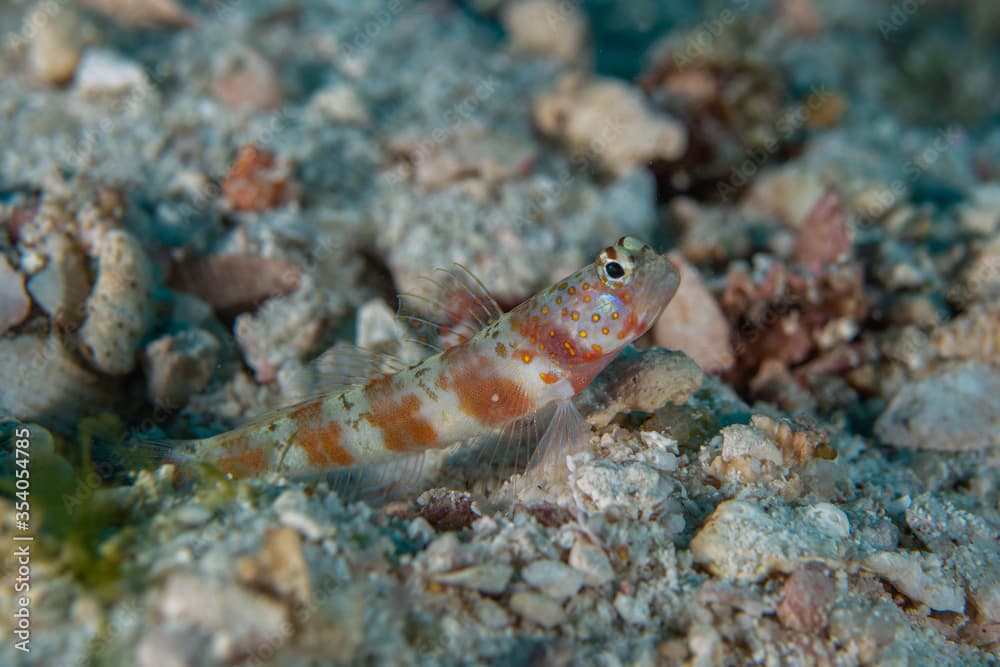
[572, 290]
[605, 330]
[398, 416]
[585, 286]
[552, 333]
[586, 298]
[597, 348]
[614, 316]
[583, 334]
[595, 317]
[569, 348]
[545, 310]
[559, 300]
[575, 316]
[562, 285]
[526, 357]
[501, 350]
[549, 378]
[319, 438]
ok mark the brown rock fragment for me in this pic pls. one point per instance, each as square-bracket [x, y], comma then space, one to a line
[973, 335]
[806, 598]
[279, 567]
[823, 237]
[256, 181]
[693, 322]
[235, 283]
[445, 509]
[642, 382]
[179, 365]
[250, 82]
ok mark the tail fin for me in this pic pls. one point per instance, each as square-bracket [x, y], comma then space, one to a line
[116, 454]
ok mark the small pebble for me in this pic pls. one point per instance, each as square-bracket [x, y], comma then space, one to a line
[954, 409]
[547, 27]
[249, 81]
[341, 103]
[806, 598]
[180, 365]
[537, 608]
[491, 578]
[103, 72]
[552, 578]
[14, 302]
[592, 563]
[54, 52]
[192, 515]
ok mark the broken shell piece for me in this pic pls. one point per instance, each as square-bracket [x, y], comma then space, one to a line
[62, 286]
[609, 121]
[491, 578]
[119, 309]
[693, 322]
[921, 577]
[14, 303]
[44, 382]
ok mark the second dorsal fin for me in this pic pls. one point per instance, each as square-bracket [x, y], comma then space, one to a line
[453, 307]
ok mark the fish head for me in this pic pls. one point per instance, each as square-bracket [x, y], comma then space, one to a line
[634, 283]
[587, 318]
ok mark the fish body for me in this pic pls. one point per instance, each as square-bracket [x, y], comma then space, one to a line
[540, 354]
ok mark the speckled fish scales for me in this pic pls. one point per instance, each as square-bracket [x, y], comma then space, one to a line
[493, 369]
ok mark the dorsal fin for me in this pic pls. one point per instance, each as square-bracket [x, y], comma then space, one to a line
[454, 307]
[341, 366]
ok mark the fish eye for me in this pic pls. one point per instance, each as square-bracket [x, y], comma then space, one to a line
[614, 270]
